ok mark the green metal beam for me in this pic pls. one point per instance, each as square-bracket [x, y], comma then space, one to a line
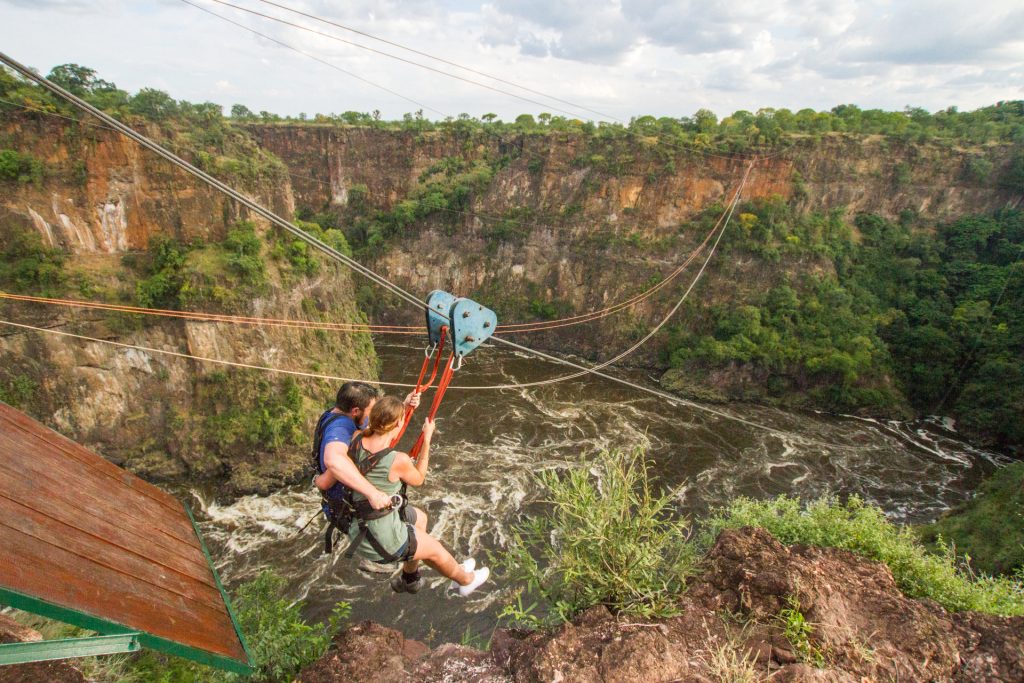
[29, 603]
[67, 648]
[223, 593]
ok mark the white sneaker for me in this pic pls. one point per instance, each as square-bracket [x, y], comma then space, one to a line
[479, 576]
[467, 565]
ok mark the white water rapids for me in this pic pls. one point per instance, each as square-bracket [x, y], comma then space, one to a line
[490, 445]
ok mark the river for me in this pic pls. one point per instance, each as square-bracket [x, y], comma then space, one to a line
[489, 445]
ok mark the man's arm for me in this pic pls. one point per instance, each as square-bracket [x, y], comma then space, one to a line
[341, 467]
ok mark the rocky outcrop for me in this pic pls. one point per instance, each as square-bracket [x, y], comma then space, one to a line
[103, 198]
[862, 628]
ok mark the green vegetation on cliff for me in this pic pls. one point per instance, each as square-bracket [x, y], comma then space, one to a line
[863, 529]
[615, 544]
[990, 527]
[899, 311]
[26, 264]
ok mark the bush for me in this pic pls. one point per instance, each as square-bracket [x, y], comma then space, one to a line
[863, 529]
[27, 265]
[243, 254]
[607, 539]
[18, 391]
[23, 168]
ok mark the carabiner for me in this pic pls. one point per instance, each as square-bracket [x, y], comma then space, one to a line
[429, 350]
[457, 365]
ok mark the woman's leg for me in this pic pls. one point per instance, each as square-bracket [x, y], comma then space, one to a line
[430, 550]
[420, 523]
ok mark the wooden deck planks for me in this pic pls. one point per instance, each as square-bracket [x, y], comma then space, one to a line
[79, 532]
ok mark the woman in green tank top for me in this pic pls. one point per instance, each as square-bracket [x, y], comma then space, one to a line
[405, 538]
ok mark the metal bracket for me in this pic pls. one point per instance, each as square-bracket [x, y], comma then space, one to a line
[471, 324]
[67, 648]
[439, 304]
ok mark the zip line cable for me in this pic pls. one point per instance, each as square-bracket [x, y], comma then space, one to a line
[314, 57]
[330, 251]
[385, 54]
[188, 356]
[439, 59]
[199, 316]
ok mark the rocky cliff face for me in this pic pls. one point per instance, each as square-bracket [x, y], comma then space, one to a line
[552, 224]
[578, 223]
[732, 627]
[102, 198]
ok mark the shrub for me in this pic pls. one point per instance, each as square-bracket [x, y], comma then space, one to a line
[27, 265]
[863, 529]
[18, 391]
[606, 539]
[23, 168]
[243, 254]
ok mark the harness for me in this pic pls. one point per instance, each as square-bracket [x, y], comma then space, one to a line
[342, 510]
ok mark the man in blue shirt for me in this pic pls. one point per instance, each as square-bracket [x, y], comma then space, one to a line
[350, 413]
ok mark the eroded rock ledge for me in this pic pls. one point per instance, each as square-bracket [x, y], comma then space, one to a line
[864, 629]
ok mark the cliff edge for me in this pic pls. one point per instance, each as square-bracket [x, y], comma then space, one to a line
[758, 610]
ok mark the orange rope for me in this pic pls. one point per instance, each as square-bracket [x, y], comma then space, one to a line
[215, 317]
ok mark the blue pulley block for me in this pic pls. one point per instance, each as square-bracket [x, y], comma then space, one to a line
[439, 303]
[471, 324]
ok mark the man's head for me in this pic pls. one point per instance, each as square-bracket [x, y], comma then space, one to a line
[355, 399]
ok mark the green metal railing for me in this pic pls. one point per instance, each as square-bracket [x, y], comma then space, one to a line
[67, 648]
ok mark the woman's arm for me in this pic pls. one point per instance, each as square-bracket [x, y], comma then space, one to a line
[414, 474]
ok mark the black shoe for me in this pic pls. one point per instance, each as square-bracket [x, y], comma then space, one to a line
[406, 583]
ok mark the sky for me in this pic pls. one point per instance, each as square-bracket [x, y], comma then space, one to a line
[586, 59]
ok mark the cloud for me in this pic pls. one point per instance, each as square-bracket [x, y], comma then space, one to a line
[569, 29]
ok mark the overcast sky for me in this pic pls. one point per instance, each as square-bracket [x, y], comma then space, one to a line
[623, 58]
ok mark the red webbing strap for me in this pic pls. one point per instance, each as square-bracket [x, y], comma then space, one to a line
[420, 388]
[442, 386]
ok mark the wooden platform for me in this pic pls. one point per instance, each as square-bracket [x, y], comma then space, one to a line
[98, 547]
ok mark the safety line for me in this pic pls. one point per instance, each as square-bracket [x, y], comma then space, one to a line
[215, 317]
[657, 328]
[386, 54]
[690, 147]
[188, 356]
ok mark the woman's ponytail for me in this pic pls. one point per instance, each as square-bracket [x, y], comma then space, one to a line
[386, 414]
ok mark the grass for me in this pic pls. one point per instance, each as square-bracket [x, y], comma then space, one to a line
[797, 630]
[864, 530]
[606, 539]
